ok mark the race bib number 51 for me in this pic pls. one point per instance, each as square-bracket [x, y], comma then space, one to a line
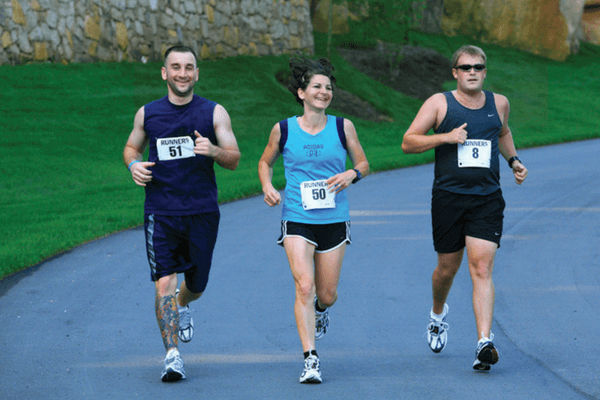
[475, 153]
[175, 148]
[315, 195]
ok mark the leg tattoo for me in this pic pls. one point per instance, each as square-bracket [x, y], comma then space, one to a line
[168, 320]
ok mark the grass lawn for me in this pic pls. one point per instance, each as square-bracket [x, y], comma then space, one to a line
[63, 128]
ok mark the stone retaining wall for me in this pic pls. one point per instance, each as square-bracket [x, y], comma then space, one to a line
[141, 30]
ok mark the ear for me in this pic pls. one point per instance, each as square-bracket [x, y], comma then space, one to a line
[455, 73]
[163, 72]
[301, 93]
[197, 74]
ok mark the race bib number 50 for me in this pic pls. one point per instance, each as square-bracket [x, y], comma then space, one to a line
[315, 195]
[175, 148]
[475, 153]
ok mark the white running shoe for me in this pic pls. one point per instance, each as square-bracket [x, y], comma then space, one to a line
[486, 354]
[321, 322]
[173, 370]
[186, 322]
[312, 370]
[186, 325]
[437, 335]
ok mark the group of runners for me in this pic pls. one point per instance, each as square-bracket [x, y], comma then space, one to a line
[186, 134]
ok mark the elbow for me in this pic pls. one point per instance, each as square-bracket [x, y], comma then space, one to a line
[406, 149]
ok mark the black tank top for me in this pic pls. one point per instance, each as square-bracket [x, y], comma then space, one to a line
[482, 124]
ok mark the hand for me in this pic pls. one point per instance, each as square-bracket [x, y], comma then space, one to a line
[520, 172]
[140, 172]
[458, 135]
[272, 196]
[204, 147]
[339, 182]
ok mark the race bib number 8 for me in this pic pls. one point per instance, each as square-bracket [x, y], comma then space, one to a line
[315, 195]
[175, 148]
[475, 153]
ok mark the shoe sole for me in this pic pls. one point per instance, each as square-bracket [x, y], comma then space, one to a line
[312, 380]
[487, 357]
[172, 376]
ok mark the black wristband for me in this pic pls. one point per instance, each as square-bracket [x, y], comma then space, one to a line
[512, 160]
[358, 176]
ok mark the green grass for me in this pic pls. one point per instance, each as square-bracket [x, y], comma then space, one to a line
[63, 128]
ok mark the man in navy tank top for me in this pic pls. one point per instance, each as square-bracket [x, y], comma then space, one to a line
[185, 135]
[471, 130]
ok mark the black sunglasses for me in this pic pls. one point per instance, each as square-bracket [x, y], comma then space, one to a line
[467, 67]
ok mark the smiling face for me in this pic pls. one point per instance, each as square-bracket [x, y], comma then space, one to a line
[181, 74]
[469, 81]
[318, 94]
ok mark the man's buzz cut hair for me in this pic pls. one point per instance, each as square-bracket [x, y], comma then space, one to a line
[470, 50]
[179, 48]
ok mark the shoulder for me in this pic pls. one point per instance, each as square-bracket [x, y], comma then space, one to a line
[500, 99]
[436, 102]
[501, 102]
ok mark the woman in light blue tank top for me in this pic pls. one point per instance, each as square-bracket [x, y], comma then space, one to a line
[315, 226]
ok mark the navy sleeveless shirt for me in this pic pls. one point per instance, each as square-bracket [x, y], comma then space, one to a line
[182, 183]
[482, 124]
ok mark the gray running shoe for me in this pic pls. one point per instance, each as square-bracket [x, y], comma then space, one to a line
[437, 335]
[186, 325]
[173, 369]
[321, 322]
[486, 354]
[312, 370]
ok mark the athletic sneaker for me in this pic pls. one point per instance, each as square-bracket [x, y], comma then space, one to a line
[312, 370]
[437, 335]
[186, 323]
[173, 369]
[486, 354]
[321, 322]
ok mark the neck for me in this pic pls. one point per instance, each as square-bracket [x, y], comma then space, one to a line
[470, 98]
[313, 118]
[180, 100]
[313, 122]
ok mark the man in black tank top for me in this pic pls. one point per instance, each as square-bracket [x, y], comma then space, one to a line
[186, 135]
[470, 132]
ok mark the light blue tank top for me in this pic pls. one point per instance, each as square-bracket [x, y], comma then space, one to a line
[309, 157]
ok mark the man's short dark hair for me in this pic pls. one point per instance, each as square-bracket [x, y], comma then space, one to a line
[179, 48]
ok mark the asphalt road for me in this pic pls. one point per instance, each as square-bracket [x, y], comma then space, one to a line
[82, 325]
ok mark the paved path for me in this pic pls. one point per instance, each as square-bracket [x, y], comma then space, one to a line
[82, 326]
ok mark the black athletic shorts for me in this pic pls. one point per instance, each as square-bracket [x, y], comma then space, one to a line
[454, 216]
[325, 237]
[182, 244]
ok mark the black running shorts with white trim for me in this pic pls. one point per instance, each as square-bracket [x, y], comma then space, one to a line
[325, 237]
[455, 216]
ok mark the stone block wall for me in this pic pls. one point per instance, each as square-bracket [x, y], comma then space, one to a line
[549, 28]
[141, 30]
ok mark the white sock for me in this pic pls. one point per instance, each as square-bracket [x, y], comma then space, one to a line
[172, 353]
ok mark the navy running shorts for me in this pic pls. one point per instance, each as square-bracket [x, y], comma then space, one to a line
[182, 244]
[325, 237]
[455, 216]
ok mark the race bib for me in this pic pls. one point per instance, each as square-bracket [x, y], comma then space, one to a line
[175, 148]
[475, 153]
[315, 195]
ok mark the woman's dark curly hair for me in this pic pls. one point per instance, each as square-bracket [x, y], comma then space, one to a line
[303, 69]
